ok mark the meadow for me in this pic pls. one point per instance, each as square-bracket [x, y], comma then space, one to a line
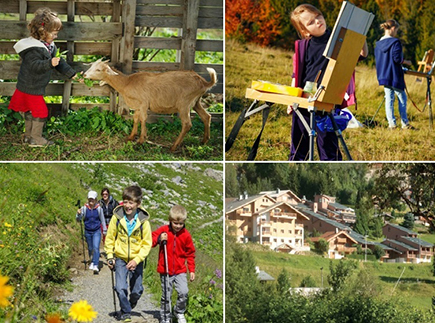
[247, 62]
[416, 285]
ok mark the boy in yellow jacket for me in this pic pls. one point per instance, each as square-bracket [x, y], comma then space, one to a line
[128, 243]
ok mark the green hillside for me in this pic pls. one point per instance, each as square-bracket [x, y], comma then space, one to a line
[40, 238]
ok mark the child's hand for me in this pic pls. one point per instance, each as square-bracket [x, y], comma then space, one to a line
[79, 211]
[131, 265]
[79, 77]
[192, 277]
[110, 264]
[164, 236]
[55, 61]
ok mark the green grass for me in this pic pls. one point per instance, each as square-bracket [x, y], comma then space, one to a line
[247, 62]
[416, 285]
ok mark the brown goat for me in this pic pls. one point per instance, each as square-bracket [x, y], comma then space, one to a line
[164, 93]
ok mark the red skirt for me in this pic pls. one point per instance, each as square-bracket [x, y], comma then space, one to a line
[23, 102]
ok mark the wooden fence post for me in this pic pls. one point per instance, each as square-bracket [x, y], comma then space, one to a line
[127, 42]
[70, 58]
[188, 42]
[116, 17]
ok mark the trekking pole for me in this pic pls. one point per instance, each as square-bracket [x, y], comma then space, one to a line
[164, 242]
[379, 107]
[83, 238]
[113, 284]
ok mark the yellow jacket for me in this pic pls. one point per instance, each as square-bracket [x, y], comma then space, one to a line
[134, 247]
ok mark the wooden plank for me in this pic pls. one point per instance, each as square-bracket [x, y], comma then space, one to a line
[73, 31]
[174, 2]
[80, 48]
[81, 8]
[190, 28]
[23, 10]
[287, 100]
[117, 11]
[207, 45]
[70, 57]
[211, 3]
[160, 22]
[127, 42]
[210, 23]
[157, 42]
[159, 11]
[211, 13]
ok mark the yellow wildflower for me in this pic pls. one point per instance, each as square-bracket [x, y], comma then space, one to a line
[5, 291]
[8, 225]
[81, 311]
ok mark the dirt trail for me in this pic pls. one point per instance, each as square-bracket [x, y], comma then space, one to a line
[97, 291]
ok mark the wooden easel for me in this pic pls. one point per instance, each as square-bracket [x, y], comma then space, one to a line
[341, 65]
[425, 64]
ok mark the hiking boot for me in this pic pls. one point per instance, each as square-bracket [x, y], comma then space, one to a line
[36, 139]
[27, 127]
[126, 317]
[180, 318]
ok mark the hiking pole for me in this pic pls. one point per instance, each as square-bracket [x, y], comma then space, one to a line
[83, 238]
[113, 284]
[379, 107]
[164, 242]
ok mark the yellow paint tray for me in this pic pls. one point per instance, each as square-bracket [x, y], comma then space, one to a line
[276, 88]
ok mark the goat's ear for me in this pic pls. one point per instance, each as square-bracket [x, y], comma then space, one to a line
[109, 71]
[106, 61]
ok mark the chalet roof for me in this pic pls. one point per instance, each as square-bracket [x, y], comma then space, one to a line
[402, 228]
[328, 236]
[389, 248]
[277, 193]
[402, 244]
[274, 206]
[341, 206]
[264, 276]
[340, 226]
[418, 241]
[229, 207]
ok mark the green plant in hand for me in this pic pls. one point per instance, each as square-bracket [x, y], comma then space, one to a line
[88, 82]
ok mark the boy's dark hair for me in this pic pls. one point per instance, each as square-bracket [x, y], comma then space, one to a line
[132, 193]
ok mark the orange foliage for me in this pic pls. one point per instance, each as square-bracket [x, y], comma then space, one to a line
[252, 21]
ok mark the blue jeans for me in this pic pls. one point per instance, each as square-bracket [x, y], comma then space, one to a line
[93, 239]
[389, 105]
[124, 278]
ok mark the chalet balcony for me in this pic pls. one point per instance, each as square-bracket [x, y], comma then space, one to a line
[345, 249]
[266, 233]
[265, 224]
[243, 213]
[341, 240]
[283, 215]
[266, 243]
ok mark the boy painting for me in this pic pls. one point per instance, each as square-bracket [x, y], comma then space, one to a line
[180, 249]
[128, 243]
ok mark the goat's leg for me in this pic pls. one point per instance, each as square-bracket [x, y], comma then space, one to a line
[143, 120]
[186, 124]
[206, 119]
[136, 117]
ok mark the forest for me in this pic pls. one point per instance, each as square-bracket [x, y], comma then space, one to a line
[267, 22]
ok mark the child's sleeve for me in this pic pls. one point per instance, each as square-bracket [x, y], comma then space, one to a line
[190, 254]
[79, 217]
[155, 236]
[109, 245]
[102, 220]
[145, 243]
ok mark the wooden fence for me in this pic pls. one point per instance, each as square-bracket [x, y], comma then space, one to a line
[113, 36]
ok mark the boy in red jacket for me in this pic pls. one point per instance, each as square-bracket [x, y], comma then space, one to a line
[180, 248]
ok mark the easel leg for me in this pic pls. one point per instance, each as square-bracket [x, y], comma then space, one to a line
[429, 102]
[311, 128]
[339, 136]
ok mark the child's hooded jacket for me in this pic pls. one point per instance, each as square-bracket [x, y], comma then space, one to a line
[389, 57]
[179, 248]
[35, 70]
[120, 245]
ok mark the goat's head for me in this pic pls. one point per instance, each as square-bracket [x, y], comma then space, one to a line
[98, 70]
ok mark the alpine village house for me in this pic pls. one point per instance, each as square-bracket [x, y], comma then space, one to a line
[278, 219]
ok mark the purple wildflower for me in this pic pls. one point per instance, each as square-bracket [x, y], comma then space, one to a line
[212, 282]
[218, 273]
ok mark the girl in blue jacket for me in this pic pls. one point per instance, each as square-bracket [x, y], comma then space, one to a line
[389, 60]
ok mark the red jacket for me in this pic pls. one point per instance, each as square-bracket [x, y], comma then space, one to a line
[180, 249]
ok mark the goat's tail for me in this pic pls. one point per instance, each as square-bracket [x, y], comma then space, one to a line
[213, 77]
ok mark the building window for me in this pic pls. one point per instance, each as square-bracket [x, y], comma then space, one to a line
[282, 230]
[245, 209]
[274, 240]
[282, 240]
[290, 231]
[274, 230]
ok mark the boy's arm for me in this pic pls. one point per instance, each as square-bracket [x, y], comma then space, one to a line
[102, 219]
[190, 254]
[109, 245]
[146, 242]
[156, 235]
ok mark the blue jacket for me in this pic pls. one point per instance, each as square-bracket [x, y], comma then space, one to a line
[389, 59]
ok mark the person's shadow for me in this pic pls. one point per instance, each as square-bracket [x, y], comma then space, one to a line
[155, 314]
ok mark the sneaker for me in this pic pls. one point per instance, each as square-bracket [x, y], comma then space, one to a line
[91, 266]
[392, 127]
[408, 126]
[95, 269]
[180, 318]
[125, 317]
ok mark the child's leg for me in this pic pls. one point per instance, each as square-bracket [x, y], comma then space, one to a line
[180, 284]
[27, 126]
[299, 138]
[389, 106]
[121, 285]
[89, 237]
[327, 146]
[402, 98]
[96, 239]
[136, 287]
[165, 307]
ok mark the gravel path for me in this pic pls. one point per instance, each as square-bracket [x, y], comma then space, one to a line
[97, 290]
